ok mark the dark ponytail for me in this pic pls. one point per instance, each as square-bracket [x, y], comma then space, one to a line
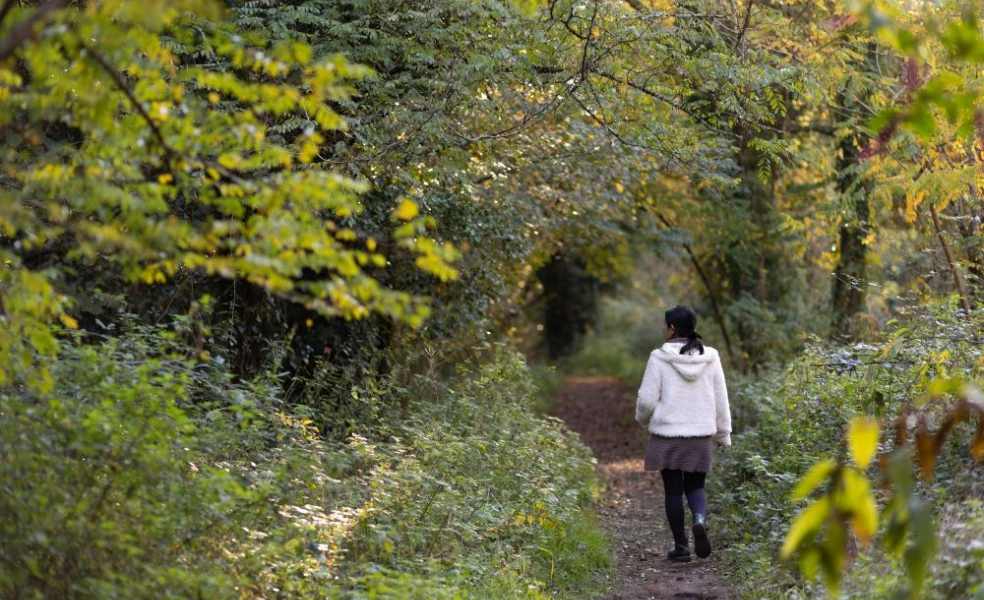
[683, 320]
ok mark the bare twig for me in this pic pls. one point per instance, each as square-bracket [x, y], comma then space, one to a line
[587, 42]
[954, 270]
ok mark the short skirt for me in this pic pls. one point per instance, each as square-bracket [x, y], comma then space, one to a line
[692, 454]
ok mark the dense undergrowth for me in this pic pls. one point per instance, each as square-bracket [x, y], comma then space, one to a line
[147, 475]
[789, 417]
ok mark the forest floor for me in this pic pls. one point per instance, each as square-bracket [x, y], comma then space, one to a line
[602, 411]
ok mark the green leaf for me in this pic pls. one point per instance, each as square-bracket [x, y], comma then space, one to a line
[883, 119]
[809, 562]
[898, 525]
[834, 557]
[921, 121]
[906, 41]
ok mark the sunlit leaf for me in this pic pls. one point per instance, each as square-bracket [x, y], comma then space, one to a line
[859, 502]
[813, 478]
[807, 523]
[406, 210]
[862, 440]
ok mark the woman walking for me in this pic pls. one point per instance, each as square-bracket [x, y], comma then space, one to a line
[684, 402]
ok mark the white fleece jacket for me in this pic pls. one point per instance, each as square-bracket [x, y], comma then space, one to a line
[684, 395]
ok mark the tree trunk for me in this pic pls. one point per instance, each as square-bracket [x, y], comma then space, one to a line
[971, 213]
[851, 272]
[756, 267]
[571, 303]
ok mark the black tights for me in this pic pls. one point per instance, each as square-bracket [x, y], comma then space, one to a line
[676, 483]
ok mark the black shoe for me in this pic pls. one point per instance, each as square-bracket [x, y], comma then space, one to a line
[679, 554]
[702, 546]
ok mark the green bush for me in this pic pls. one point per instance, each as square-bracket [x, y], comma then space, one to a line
[110, 484]
[146, 475]
[495, 495]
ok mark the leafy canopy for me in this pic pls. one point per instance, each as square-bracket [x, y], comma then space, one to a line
[117, 152]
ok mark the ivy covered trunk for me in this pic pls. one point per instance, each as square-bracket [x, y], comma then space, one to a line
[755, 270]
[850, 275]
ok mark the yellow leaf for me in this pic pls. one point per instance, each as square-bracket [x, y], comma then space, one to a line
[68, 321]
[619, 187]
[857, 499]
[346, 235]
[806, 523]
[161, 110]
[229, 161]
[371, 245]
[165, 178]
[862, 440]
[912, 202]
[406, 210]
[811, 480]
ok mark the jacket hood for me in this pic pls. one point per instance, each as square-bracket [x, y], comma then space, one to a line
[689, 366]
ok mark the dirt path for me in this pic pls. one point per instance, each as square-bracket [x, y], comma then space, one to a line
[603, 412]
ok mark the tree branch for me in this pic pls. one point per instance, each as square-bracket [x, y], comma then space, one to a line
[117, 78]
[666, 100]
[7, 6]
[954, 270]
[744, 26]
[715, 308]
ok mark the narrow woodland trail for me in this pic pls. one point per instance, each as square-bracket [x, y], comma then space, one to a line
[603, 412]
